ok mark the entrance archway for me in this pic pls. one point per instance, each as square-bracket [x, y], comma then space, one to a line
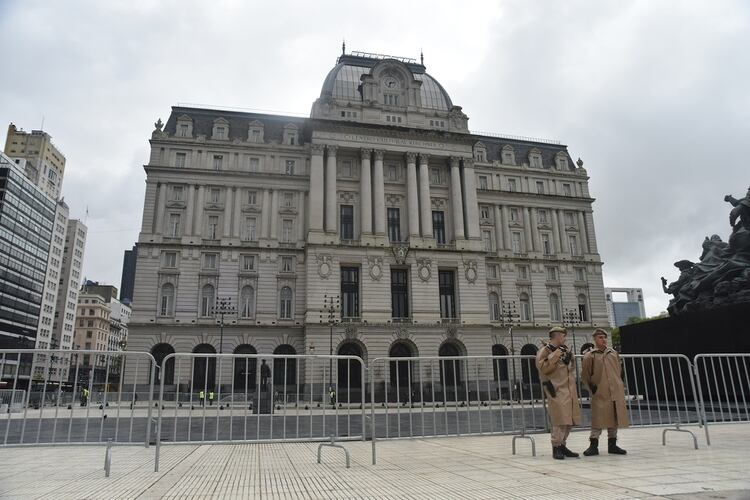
[244, 368]
[204, 368]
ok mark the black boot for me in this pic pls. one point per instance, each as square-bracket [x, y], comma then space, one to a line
[593, 448]
[557, 453]
[613, 449]
[568, 453]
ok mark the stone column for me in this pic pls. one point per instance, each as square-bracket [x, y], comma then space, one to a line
[535, 230]
[457, 205]
[236, 218]
[411, 194]
[316, 187]
[499, 228]
[378, 194]
[201, 205]
[266, 214]
[274, 214]
[582, 232]
[161, 206]
[425, 202]
[563, 237]
[331, 189]
[365, 193]
[228, 212]
[301, 211]
[470, 199]
[556, 232]
[506, 228]
[588, 217]
[189, 210]
[527, 229]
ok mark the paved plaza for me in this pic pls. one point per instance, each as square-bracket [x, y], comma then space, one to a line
[451, 468]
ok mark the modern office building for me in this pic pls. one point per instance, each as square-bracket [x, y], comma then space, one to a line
[42, 162]
[426, 231]
[620, 311]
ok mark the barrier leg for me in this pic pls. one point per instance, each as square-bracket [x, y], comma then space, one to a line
[523, 436]
[333, 444]
[108, 458]
[677, 429]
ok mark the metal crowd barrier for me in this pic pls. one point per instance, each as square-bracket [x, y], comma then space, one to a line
[57, 396]
[723, 382]
[455, 395]
[228, 398]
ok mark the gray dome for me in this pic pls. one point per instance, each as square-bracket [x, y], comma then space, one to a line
[344, 79]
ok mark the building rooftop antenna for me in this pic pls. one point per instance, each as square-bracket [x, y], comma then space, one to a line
[343, 46]
[421, 56]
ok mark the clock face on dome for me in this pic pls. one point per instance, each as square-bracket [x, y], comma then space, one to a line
[390, 83]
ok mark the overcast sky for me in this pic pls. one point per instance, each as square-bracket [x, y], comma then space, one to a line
[653, 96]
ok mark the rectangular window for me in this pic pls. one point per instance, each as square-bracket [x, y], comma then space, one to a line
[523, 273]
[514, 215]
[289, 168]
[551, 273]
[446, 285]
[174, 225]
[392, 173]
[566, 190]
[255, 135]
[492, 271]
[482, 182]
[484, 212]
[215, 195]
[435, 175]
[170, 259]
[179, 160]
[487, 239]
[569, 219]
[438, 226]
[543, 216]
[517, 242]
[580, 274]
[183, 130]
[248, 263]
[286, 264]
[253, 164]
[349, 292]
[287, 230]
[252, 197]
[394, 224]
[347, 169]
[218, 159]
[536, 161]
[220, 132]
[213, 227]
[177, 193]
[512, 186]
[573, 243]
[583, 312]
[347, 222]
[399, 293]
[250, 223]
[209, 261]
[288, 200]
[546, 244]
[540, 187]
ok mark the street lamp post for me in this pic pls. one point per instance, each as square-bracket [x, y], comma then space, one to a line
[510, 318]
[571, 319]
[331, 306]
[223, 307]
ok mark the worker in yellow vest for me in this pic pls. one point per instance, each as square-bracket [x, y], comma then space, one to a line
[201, 397]
[211, 398]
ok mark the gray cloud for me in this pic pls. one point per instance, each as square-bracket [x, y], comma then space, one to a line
[652, 96]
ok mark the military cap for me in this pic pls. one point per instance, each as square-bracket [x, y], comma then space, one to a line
[599, 331]
[557, 329]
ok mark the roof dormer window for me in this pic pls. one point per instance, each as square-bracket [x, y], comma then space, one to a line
[561, 161]
[291, 136]
[535, 158]
[220, 131]
[184, 126]
[508, 156]
[480, 152]
[255, 132]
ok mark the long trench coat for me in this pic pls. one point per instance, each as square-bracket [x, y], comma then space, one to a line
[603, 369]
[563, 406]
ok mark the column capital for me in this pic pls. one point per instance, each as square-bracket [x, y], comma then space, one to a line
[331, 149]
[379, 154]
[317, 149]
[468, 163]
[455, 161]
[411, 157]
[424, 159]
[366, 153]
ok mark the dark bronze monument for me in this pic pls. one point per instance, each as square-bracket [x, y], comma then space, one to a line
[722, 275]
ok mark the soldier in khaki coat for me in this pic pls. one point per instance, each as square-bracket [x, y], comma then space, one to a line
[601, 371]
[556, 365]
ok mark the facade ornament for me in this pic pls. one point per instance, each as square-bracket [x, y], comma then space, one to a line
[401, 333]
[158, 125]
[366, 153]
[393, 200]
[451, 332]
[376, 267]
[317, 149]
[331, 149]
[411, 157]
[347, 196]
[400, 252]
[470, 270]
[438, 203]
[379, 154]
[424, 268]
[424, 158]
[350, 332]
[324, 265]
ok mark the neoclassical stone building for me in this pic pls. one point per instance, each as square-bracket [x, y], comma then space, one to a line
[384, 198]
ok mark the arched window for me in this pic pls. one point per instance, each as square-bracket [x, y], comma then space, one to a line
[285, 369]
[207, 300]
[247, 302]
[349, 371]
[525, 306]
[529, 372]
[244, 368]
[494, 307]
[159, 352]
[401, 371]
[554, 307]
[583, 311]
[500, 366]
[285, 303]
[204, 368]
[166, 301]
[450, 370]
